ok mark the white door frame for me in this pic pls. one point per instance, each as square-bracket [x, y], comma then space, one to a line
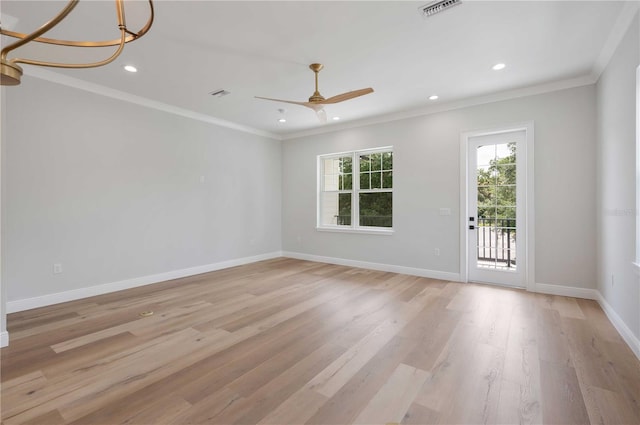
[528, 262]
[637, 256]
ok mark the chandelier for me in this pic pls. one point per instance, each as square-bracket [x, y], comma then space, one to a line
[11, 71]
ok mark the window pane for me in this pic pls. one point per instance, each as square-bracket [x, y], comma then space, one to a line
[376, 180]
[376, 209]
[487, 222]
[486, 154]
[376, 161]
[387, 179]
[347, 164]
[331, 166]
[348, 182]
[507, 213]
[365, 163]
[329, 209]
[506, 153]
[486, 212]
[387, 161]
[365, 180]
[335, 209]
[344, 209]
[506, 174]
[331, 182]
[486, 196]
[506, 196]
[486, 176]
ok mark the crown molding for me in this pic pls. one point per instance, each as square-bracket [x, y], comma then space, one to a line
[450, 106]
[620, 28]
[54, 77]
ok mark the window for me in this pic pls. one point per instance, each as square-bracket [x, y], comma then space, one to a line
[356, 191]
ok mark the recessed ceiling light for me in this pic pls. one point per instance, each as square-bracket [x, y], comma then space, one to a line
[433, 97]
[130, 68]
[498, 66]
[282, 120]
[336, 118]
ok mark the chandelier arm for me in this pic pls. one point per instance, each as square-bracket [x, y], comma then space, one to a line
[44, 28]
[77, 65]
[122, 21]
[106, 43]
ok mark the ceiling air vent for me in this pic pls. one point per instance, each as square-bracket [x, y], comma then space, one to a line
[437, 7]
[219, 93]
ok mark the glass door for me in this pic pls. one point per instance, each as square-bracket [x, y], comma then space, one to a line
[496, 206]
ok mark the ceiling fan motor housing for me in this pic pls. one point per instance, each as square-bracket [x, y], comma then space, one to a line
[316, 96]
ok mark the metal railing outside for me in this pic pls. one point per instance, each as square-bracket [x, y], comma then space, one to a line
[497, 241]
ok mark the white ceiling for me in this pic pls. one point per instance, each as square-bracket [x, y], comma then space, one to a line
[264, 48]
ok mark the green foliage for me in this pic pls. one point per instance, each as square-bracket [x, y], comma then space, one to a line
[496, 188]
[345, 179]
[344, 209]
[376, 172]
[376, 209]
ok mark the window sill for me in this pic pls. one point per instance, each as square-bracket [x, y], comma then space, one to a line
[373, 231]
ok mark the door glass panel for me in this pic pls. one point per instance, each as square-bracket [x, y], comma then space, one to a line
[496, 206]
[507, 213]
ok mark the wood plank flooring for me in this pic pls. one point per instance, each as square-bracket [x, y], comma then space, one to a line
[291, 342]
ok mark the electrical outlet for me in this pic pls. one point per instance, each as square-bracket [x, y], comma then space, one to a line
[57, 268]
[436, 251]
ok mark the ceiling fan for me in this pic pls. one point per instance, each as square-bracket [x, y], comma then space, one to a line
[317, 101]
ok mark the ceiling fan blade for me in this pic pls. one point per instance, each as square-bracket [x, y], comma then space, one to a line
[315, 106]
[316, 101]
[307, 104]
[322, 115]
[346, 96]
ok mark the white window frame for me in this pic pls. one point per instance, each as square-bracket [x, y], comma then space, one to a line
[355, 192]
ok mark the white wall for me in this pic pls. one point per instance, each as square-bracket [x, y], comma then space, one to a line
[112, 191]
[617, 214]
[426, 178]
[4, 336]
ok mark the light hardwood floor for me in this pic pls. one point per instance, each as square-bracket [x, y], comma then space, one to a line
[290, 342]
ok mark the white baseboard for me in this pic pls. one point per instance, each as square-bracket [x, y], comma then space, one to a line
[566, 291]
[632, 341]
[76, 294]
[60, 297]
[433, 274]
[593, 294]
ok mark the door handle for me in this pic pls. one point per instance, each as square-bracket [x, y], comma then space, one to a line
[472, 227]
